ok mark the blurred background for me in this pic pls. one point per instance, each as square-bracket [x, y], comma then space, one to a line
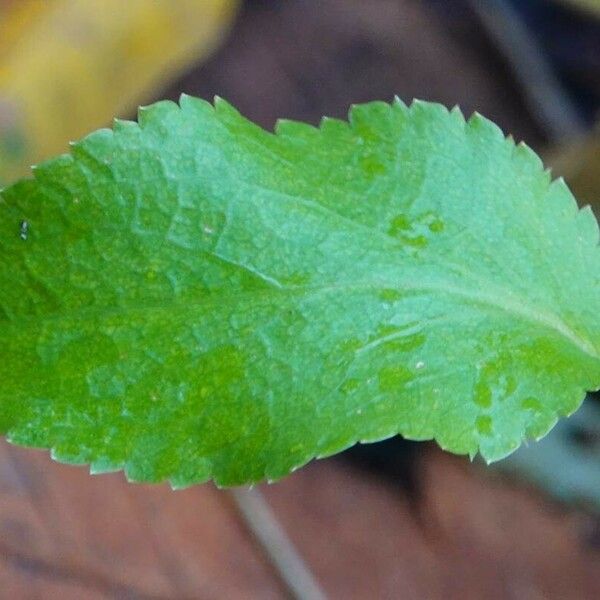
[389, 520]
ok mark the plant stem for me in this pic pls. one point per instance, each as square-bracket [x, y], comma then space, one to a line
[549, 102]
[280, 550]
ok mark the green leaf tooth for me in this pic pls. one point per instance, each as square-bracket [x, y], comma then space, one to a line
[457, 113]
[123, 125]
[46, 171]
[192, 103]
[399, 104]
[223, 108]
[100, 466]
[154, 116]
[428, 110]
[295, 129]
[94, 152]
[332, 126]
[588, 226]
[532, 160]
[366, 114]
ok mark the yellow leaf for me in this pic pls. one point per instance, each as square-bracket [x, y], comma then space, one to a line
[69, 66]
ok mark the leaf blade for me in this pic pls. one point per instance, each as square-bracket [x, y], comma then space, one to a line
[199, 298]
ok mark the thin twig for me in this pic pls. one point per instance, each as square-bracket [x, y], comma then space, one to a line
[548, 101]
[290, 566]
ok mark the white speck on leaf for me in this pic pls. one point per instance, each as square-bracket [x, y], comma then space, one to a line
[24, 230]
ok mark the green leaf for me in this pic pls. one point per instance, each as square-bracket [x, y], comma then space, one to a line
[193, 297]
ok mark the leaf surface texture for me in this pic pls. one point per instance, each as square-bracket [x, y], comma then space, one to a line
[192, 297]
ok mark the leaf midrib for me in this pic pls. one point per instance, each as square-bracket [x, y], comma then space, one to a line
[510, 304]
